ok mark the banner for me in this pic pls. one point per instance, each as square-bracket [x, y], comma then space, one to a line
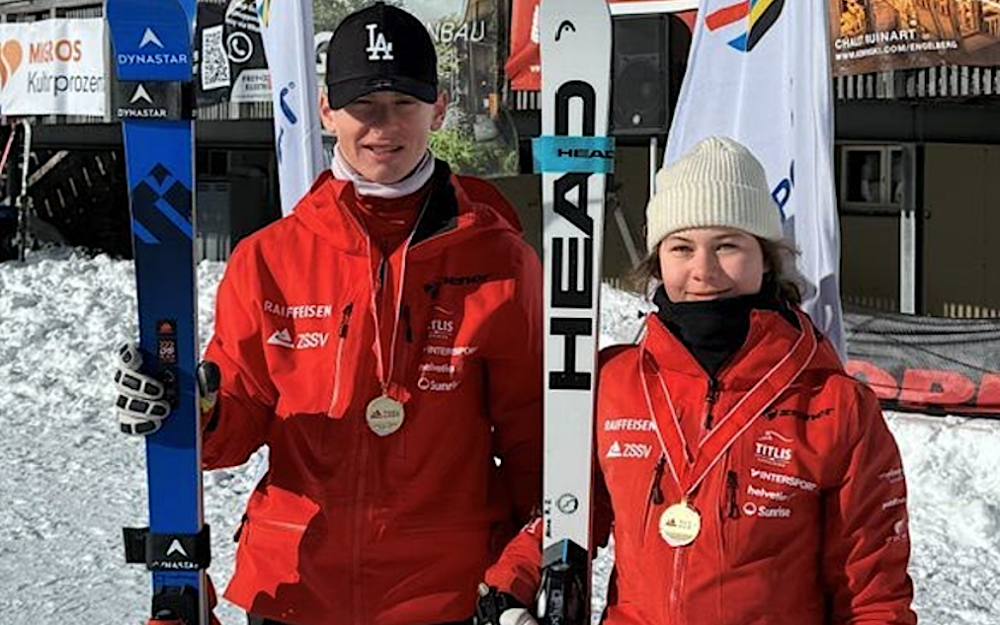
[477, 137]
[52, 67]
[879, 35]
[230, 54]
[523, 68]
[288, 42]
[760, 73]
[927, 364]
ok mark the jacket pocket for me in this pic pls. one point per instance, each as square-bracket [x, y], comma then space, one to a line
[761, 519]
[270, 554]
[313, 361]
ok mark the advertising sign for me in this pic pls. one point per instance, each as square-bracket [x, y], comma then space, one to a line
[230, 58]
[155, 40]
[878, 35]
[52, 67]
[927, 364]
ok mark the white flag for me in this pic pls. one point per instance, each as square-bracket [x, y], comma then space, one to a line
[287, 31]
[759, 72]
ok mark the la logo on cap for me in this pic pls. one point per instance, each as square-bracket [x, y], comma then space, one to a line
[378, 48]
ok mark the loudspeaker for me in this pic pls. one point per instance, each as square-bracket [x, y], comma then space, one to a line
[649, 55]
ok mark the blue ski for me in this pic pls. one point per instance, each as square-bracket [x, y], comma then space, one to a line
[152, 53]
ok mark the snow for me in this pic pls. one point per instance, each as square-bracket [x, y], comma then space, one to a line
[69, 481]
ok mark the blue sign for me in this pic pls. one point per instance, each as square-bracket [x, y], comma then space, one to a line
[562, 154]
[152, 41]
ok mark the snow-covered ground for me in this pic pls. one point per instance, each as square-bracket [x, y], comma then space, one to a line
[69, 481]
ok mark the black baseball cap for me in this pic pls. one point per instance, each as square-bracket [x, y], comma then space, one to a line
[380, 48]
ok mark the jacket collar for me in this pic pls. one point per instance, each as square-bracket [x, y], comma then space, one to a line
[325, 211]
[770, 338]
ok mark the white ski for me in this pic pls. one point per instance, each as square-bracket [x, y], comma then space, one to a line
[574, 154]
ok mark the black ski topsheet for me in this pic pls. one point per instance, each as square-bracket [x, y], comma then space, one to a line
[152, 43]
[574, 155]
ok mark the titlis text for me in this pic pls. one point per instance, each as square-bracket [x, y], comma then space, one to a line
[576, 291]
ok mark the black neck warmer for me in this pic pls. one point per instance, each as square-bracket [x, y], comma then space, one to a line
[713, 330]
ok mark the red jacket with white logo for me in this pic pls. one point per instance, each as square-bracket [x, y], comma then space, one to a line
[348, 526]
[802, 504]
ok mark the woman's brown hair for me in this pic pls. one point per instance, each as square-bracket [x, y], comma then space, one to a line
[782, 281]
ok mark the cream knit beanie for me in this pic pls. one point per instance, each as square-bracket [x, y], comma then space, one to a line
[717, 183]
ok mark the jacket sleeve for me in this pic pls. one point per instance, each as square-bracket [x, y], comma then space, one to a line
[513, 370]
[518, 571]
[246, 395]
[866, 539]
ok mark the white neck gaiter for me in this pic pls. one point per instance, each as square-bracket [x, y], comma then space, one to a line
[342, 170]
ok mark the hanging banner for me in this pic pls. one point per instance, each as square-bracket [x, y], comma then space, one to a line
[523, 68]
[53, 67]
[230, 63]
[286, 31]
[477, 138]
[760, 74]
[879, 35]
[927, 364]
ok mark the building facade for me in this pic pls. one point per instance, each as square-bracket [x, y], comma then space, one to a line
[917, 156]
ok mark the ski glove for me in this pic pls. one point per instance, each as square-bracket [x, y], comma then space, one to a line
[517, 616]
[499, 608]
[140, 404]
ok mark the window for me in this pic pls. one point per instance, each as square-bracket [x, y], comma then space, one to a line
[872, 176]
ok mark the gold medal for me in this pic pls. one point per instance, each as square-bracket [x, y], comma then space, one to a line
[679, 525]
[384, 415]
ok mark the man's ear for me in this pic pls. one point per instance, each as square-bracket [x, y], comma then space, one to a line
[440, 109]
[326, 113]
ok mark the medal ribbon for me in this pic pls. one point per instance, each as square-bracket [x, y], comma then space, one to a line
[688, 472]
[385, 374]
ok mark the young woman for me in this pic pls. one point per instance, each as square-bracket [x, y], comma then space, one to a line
[384, 342]
[747, 479]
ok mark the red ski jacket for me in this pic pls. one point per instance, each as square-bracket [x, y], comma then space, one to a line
[350, 527]
[801, 498]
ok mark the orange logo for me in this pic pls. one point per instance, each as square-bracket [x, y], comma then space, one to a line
[10, 59]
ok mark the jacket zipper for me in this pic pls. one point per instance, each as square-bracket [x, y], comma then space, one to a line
[681, 553]
[239, 530]
[345, 321]
[361, 507]
[711, 396]
[655, 496]
[382, 266]
[729, 512]
[360, 524]
[284, 525]
[406, 321]
[676, 588]
[732, 486]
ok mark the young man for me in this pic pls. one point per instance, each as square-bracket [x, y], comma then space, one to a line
[384, 341]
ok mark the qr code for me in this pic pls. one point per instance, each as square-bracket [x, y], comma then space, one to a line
[214, 60]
